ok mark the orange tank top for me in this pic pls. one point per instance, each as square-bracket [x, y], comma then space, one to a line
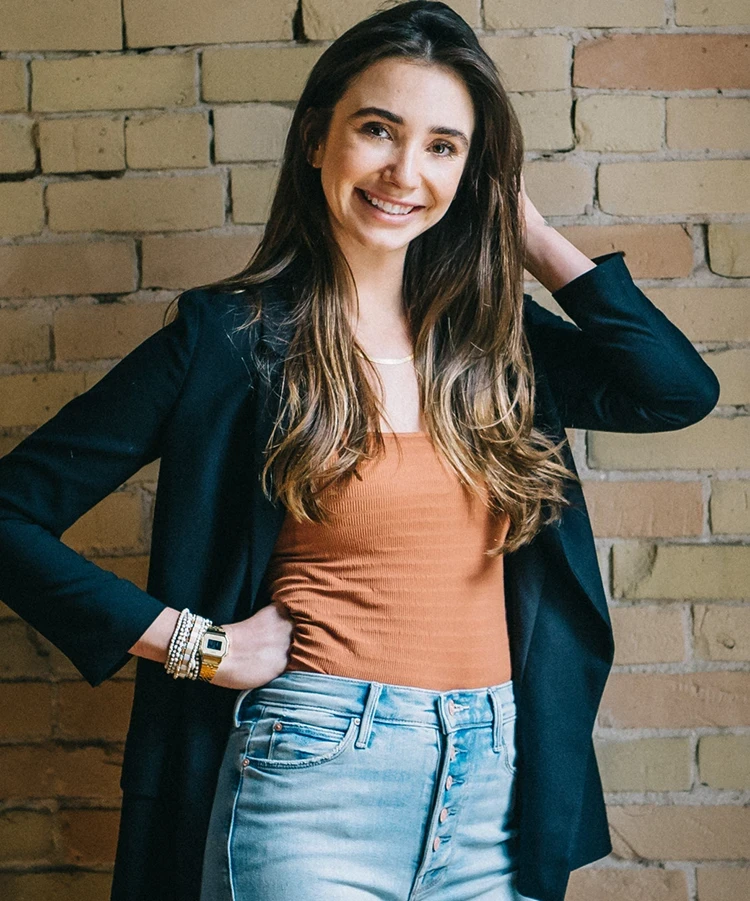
[397, 588]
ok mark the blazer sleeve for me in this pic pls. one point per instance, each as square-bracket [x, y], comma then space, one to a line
[621, 366]
[64, 468]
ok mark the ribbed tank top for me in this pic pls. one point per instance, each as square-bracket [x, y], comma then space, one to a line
[397, 588]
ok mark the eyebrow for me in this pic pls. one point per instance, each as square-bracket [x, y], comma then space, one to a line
[398, 120]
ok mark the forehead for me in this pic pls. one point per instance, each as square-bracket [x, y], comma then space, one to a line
[418, 89]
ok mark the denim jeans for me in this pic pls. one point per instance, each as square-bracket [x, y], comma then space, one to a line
[338, 789]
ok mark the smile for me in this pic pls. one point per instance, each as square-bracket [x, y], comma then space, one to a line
[391, 210]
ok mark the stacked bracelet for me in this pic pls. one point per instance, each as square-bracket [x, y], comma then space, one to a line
[183, 657]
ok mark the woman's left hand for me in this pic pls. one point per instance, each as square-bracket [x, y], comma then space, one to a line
[533, 219]
[535, 227]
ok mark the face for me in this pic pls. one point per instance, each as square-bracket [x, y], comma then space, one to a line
[399, 134]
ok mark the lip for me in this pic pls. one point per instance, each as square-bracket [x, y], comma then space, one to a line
[391, 216]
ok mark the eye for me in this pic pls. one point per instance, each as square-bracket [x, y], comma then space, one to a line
[371, 126]
[451, 148]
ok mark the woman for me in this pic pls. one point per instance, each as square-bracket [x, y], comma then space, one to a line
[400, 700]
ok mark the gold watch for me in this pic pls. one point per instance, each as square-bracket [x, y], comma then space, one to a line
[213, 649]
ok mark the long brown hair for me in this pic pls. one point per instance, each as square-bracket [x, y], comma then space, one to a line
[462, 287]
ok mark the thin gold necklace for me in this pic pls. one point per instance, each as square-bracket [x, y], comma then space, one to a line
[391, 361]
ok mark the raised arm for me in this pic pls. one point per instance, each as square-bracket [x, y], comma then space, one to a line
[621, 365]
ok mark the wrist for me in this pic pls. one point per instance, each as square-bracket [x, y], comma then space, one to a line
[552, 260]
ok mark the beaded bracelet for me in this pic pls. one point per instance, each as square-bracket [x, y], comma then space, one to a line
[183, 655]
[181, 627]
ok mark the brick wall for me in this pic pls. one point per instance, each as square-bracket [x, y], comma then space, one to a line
[138, 149]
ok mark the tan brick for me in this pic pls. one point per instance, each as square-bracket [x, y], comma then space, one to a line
[621, 884]
[25, 334]
[21, 208]
[327, 19]
[148, 203]
[61, 25]
[712, 12]
[732, 368]
[610, 123]
[707, 123]
[724, 761]
[84, 144]
[115, 522]
[67, 267]
[58, 885]
[729, 507]
[676, 700]
[713, 443]
[182, 261]
[250, 133]
[706, 314]
[545, 119]
[675, 187]
[723, 883]
[32, 398]
[592, 13]
[134, 568]
[21, 657]
[167, 141]
[645, 764]
[26, 835]
[17, 153]
[88, 772]
[539, 63]
[680, 831]
[27, 711]
[651, 251]
[663, 62]
[27, 772]
[729, 249]
[134, 81]
[641, 509]
[94, 713]
[154, 23]
[12, 85]
[647, 634]
[104, 331]
[722, 632]
[89, 836]
[148, 474]
[252, 193]
[680, 571]
[559, 189]
[270, 74]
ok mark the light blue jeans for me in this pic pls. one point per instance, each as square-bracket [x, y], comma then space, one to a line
[337, 789]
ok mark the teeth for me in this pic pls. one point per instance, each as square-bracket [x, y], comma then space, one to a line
[388, 207]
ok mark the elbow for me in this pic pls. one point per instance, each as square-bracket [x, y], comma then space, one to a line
[707, 397]
[696, 406]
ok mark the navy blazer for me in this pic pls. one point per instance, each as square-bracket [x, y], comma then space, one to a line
[190, 395]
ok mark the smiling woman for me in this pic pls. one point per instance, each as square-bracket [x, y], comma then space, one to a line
[365, 476]
[395, 171]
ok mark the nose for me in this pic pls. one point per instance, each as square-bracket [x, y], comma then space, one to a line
[403, 167]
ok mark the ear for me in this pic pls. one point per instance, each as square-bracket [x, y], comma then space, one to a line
[315, 157]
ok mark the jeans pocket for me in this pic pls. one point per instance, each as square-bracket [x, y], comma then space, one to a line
[292, 737]
[509, 740]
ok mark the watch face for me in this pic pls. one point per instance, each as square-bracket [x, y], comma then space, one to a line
[214, 644]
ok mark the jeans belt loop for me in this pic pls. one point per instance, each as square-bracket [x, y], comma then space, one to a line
[497, 720]
[368, 714]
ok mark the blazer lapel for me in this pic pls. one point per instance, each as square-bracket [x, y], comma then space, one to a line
[266, 517]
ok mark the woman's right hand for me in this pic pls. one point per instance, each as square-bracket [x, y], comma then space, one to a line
[258, 649]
